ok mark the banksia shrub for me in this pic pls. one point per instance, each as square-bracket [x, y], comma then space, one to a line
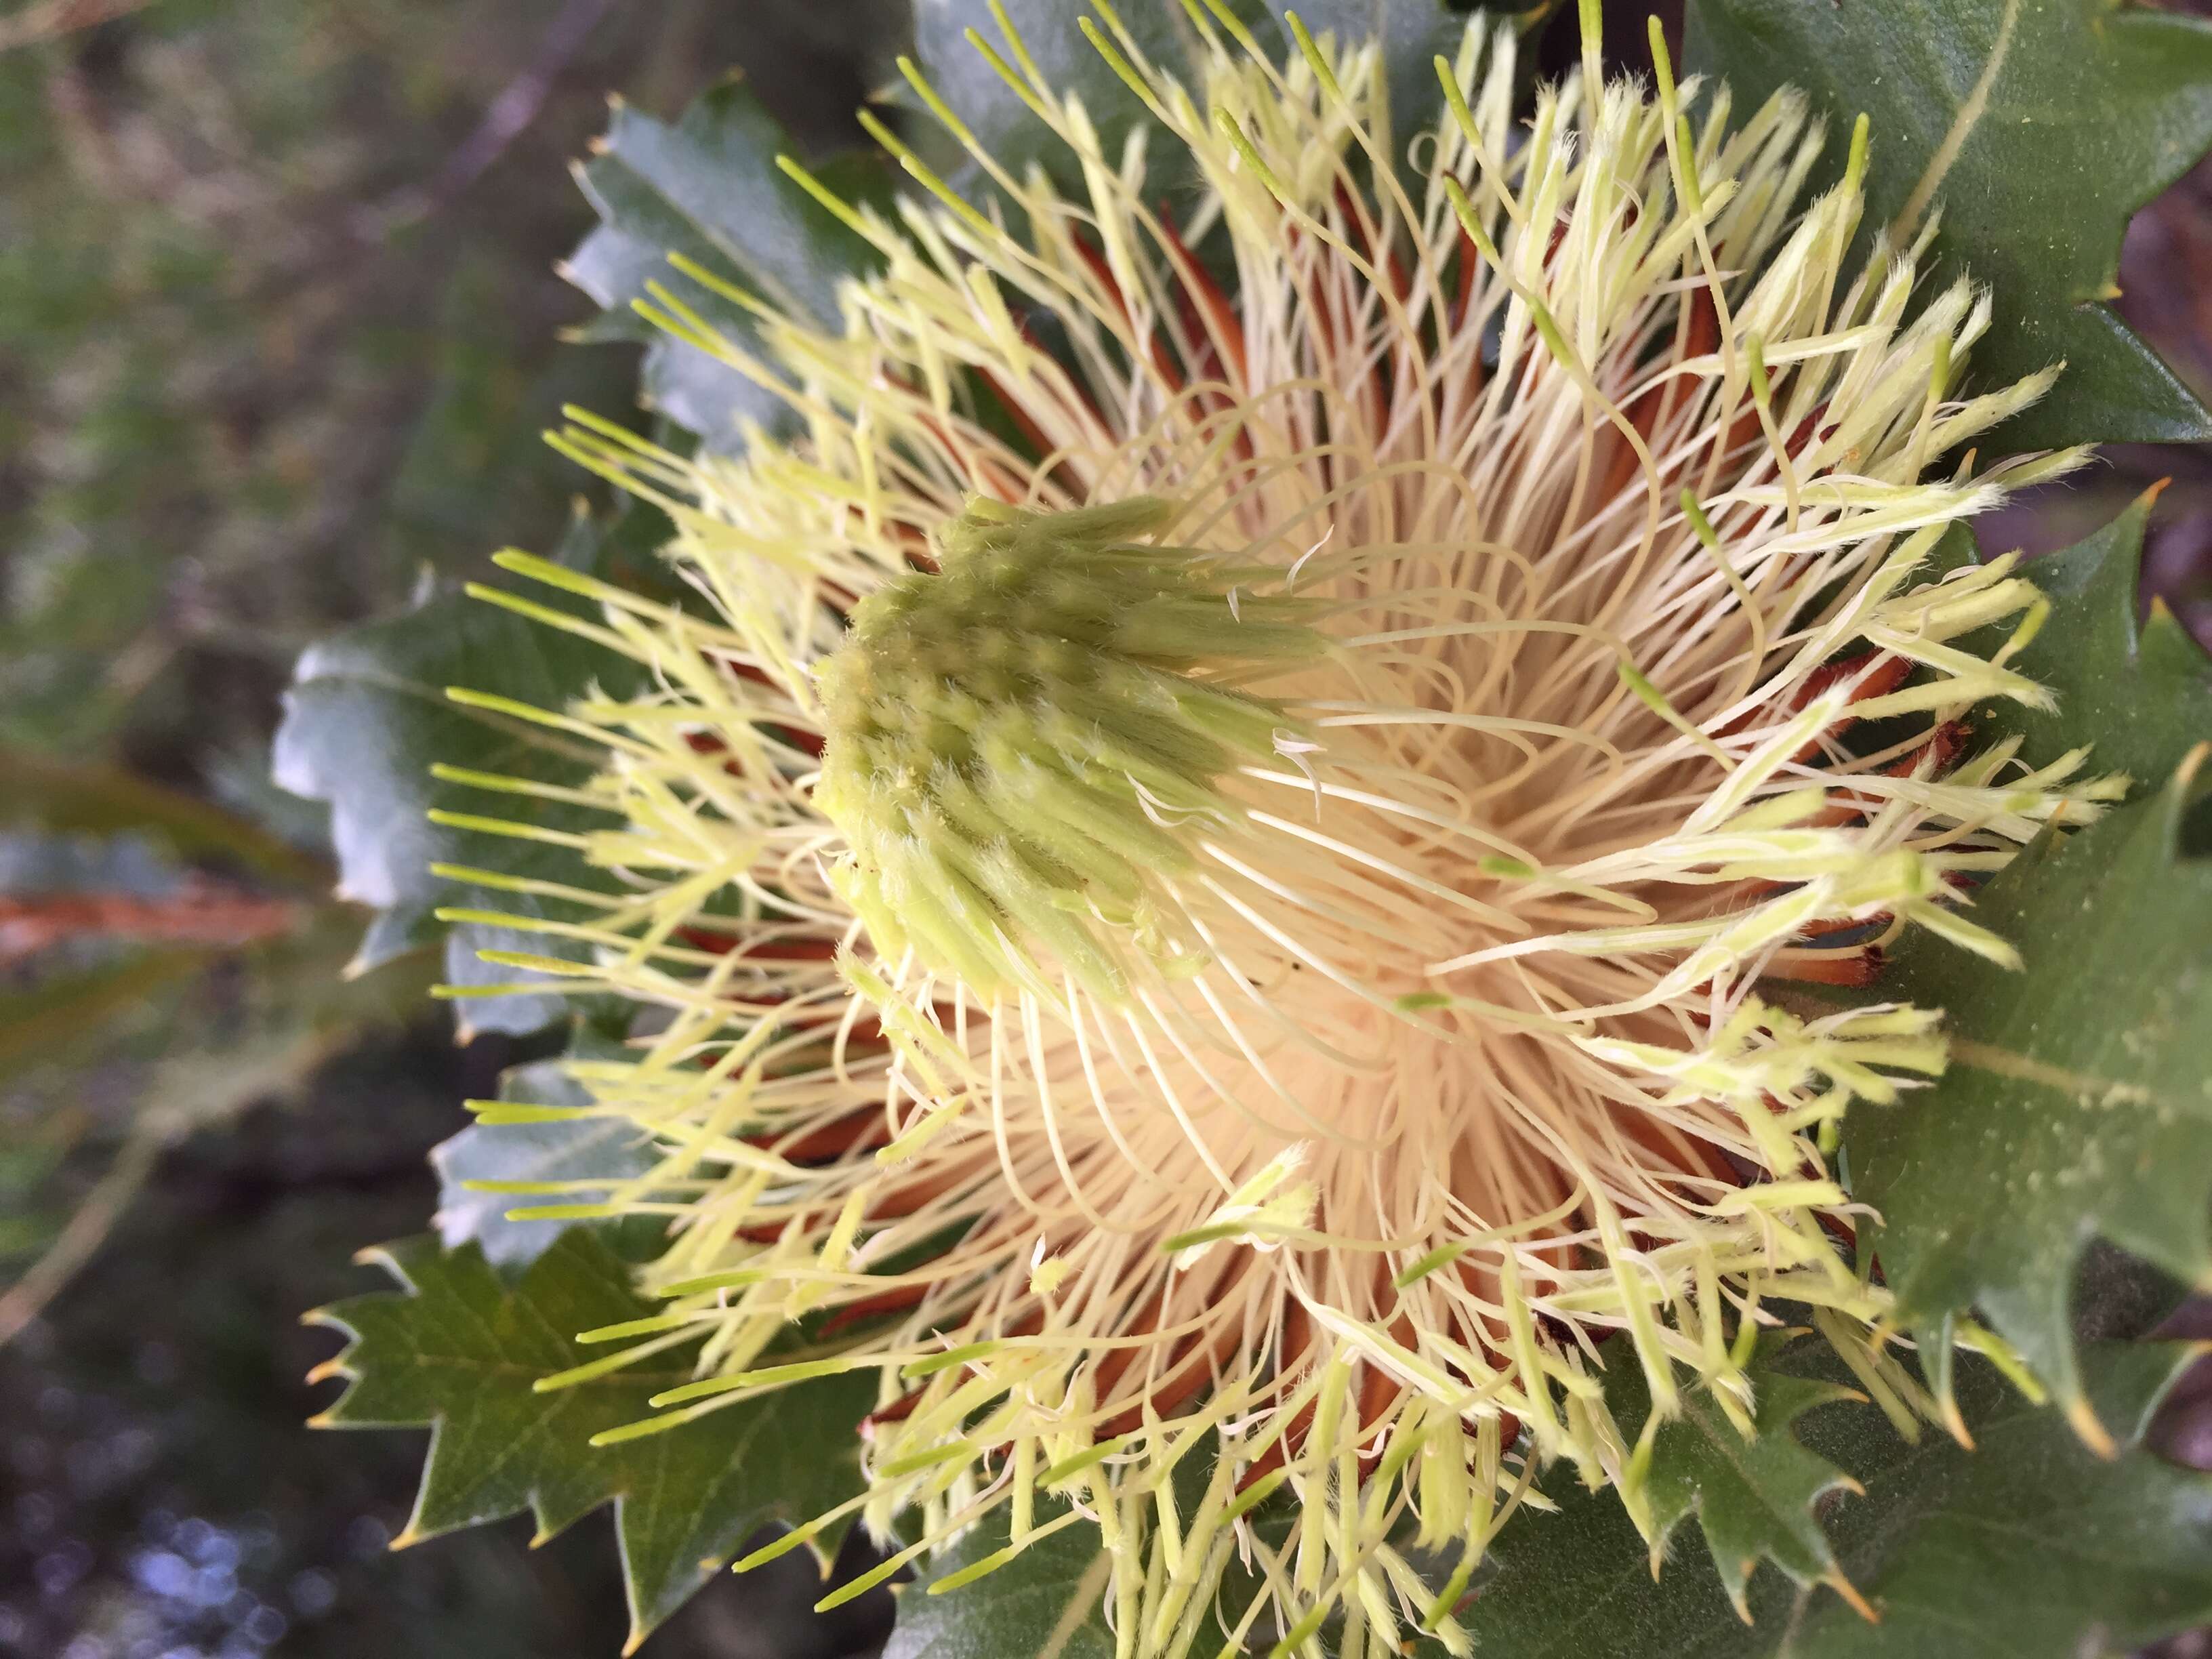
[1254, 861]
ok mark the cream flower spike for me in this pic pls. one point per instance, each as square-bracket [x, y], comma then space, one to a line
[1222, 857]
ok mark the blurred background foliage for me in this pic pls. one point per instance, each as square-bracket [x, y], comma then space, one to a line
[279, 327]
[282, 325]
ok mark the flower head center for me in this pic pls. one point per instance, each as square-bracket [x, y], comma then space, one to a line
[1019, 743]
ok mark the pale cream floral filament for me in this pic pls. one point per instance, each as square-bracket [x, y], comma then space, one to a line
[1451, 1058]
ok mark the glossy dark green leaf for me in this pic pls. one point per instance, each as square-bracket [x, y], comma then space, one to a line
[2138, 693]
[368, 716]
[2027, 1547]
[708, 188]
[1991, 1181]
[2078, 1103]
[1051, 34]
[1049, 1602]
[1753, 1497]
[460, 1349]
[1410, 33]
[2037, 127]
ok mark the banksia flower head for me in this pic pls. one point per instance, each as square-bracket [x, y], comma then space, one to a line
[1225, 851]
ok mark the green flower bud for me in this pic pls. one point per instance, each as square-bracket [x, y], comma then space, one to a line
[1024, 746]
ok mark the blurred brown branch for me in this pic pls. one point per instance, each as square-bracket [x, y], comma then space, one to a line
[54, 18]
[203, 914]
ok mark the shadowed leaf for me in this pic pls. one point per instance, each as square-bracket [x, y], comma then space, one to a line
[2139, 694]
[2036, 127]
[609, 1148]
[365, 719]
[2078, 1103]
[707, 188]
[460, 1349]
[1753, 1497]
[2029, 1547]
[1049, 1602]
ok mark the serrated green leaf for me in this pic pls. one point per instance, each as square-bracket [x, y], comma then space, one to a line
[2138, 693]
[458, 1351]
[1049, 1602]
[365, 718]
[1050, 33]
[2028, 1548]
[1411, 33]
[2038, 126]
[2078, 1102]
[1052, 1598]
[1753, 1497]
[708, 188]
[562, 1149]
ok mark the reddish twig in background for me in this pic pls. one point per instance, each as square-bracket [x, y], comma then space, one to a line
[201, 914]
